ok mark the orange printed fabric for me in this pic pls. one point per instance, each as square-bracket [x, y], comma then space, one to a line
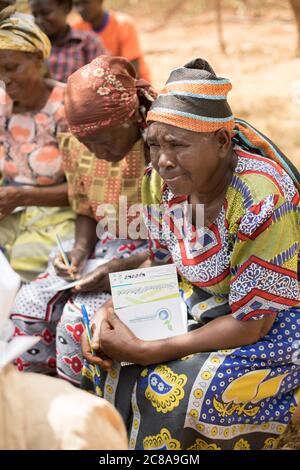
[120, 38]
[93, 182]
[29, 153]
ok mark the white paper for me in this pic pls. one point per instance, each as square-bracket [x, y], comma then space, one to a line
[90, 265]
[148, 301]
[9, 285]
[18, 209]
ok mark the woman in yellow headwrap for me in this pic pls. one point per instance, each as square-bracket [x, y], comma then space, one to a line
[33, 191]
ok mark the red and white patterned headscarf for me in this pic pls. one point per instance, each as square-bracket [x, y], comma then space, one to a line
[104, 93]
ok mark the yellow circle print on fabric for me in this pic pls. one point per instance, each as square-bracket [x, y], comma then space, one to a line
[165, 388]
[161, 441]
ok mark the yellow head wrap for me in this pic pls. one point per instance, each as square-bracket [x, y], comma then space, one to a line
[18, 32]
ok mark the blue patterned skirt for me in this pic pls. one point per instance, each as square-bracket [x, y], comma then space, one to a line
[239, 399]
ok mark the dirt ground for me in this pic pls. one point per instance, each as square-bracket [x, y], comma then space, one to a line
[260, 61]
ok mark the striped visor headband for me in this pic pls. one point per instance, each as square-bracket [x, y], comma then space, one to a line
[194, 98]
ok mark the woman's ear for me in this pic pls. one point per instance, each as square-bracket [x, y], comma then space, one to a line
[223, 137]
[67, 8]
[39, 56]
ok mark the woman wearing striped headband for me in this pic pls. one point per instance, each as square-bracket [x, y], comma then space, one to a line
[232, 382]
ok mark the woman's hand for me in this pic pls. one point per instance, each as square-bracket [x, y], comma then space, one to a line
[9, 200]
[118, 342]
[96, 281]
[99, 358]
[77, 257]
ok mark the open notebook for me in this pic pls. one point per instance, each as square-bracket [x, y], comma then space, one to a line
[90, 266]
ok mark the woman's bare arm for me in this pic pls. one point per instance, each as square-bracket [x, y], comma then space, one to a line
[222, 333]
[50, 196]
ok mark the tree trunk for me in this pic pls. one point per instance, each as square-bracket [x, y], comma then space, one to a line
[295, 4]
[218, 10]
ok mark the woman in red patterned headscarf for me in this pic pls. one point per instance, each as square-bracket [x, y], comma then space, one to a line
[104, 98]
[106, 110]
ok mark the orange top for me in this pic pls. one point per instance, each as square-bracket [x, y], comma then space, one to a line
[119, 36]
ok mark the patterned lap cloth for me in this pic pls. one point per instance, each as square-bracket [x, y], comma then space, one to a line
[239, 399]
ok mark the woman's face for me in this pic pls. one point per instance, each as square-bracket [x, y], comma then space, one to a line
[50, 16]
[90, 10]
[114, 143]
[186, 160]
[20, 71]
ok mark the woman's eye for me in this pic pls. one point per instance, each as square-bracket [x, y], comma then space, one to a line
[11, 68]
[177, 144]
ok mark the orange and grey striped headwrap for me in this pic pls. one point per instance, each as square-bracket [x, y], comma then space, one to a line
[194, 98]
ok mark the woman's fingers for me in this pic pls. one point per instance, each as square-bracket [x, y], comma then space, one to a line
[107, 364]
[61, 269]
[87, 352]
[87, 284]
[100, 360]
[96, 335]
[78, 259]
[92, 282]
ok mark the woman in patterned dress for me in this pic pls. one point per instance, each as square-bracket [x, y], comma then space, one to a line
[33, 191]
[232, 381]
[105, 107]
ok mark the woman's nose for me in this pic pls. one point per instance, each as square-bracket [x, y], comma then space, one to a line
[165, 160]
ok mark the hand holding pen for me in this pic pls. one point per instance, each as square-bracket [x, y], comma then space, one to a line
[76, 259]
[91, 336]
[86, 322]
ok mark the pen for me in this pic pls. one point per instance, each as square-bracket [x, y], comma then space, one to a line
[86, 322]
[62, 251]
[181, 292]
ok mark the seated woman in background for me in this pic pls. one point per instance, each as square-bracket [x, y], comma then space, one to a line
[106, 107]
[71, 48]
[233, 381]
[33, 181]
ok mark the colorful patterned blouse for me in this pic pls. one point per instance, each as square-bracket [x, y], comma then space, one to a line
[92, 182]
[249, 255]
[29, 153]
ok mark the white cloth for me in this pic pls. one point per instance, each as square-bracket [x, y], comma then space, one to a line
[40, 412]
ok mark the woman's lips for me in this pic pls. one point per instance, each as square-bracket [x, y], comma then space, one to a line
[12, 91]
[173, 179]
